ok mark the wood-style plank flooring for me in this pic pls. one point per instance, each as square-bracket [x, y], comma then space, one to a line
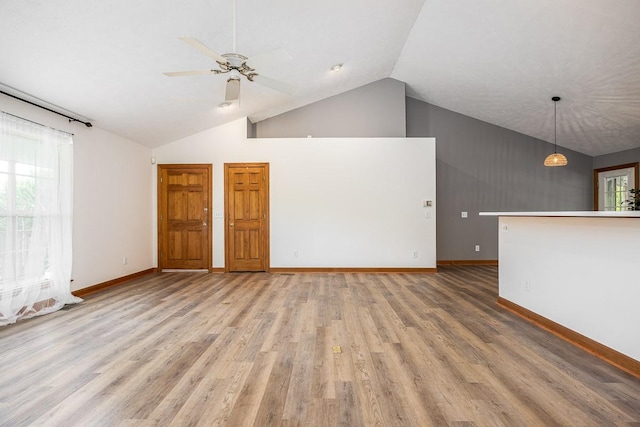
[187, 349]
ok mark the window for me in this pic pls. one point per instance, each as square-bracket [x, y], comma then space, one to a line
[36, 166]
[616, 192]
[612, 185]
[18, 207]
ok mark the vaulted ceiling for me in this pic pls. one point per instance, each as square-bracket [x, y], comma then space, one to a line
[500, 61]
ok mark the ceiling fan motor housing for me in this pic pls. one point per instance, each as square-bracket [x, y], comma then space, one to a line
[237, 62]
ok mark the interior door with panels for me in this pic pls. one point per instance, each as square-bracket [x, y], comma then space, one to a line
[247, 216]
[184, 216]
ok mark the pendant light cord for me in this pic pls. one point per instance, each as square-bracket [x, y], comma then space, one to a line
[555, 127]
[555, 100]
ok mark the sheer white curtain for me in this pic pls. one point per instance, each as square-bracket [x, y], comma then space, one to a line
[36, 204]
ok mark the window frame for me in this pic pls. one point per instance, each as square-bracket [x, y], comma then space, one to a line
[596, 182]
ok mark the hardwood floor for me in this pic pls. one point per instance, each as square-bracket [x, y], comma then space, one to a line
[311, 349]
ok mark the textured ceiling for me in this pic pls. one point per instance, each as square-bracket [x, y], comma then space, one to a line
[502, 61]
[497, 60]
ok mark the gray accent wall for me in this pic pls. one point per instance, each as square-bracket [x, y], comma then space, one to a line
[615, 159]
[483, 167]
[373, 110]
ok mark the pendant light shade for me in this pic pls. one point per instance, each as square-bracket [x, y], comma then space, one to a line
[555, 159]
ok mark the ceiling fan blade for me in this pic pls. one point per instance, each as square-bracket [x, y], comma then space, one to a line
[274, 84]
[189, 73]
[267, 59]
[232, 92]
[204, 49]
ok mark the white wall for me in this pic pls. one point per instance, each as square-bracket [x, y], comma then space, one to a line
[112, 199]
[578, 272]
[112, 208]
[340, 202]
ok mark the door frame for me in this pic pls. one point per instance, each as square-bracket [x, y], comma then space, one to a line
[162, 201]
[596, 182]
[266, 238]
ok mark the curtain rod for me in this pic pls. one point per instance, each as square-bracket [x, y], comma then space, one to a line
[71, 119]
[36, 123]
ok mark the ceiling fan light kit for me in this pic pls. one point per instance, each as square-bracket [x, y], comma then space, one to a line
[233, 89]
[555, 159]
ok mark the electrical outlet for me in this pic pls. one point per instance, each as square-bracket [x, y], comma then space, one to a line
[527, 286]
[295, 253]
[463, 214]
[477, 248]
[414, 254]
[125, 261]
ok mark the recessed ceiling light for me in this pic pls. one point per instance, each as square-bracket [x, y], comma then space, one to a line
[336, 67]
[225, 105]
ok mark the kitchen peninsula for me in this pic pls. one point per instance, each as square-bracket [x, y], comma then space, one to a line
[576, 274]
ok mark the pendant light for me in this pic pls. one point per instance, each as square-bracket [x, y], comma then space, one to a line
[555, 159]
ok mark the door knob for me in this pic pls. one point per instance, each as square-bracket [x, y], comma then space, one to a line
[230, 224]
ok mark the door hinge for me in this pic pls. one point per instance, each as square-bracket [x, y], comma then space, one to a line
[160, 179]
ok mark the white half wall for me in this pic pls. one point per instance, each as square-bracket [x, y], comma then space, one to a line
[111, 199]
[578, 272]
[337, 202]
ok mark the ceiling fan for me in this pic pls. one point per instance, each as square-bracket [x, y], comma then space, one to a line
[236, 66]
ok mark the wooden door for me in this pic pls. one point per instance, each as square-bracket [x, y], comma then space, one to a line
[184, 216]
[247, 216]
